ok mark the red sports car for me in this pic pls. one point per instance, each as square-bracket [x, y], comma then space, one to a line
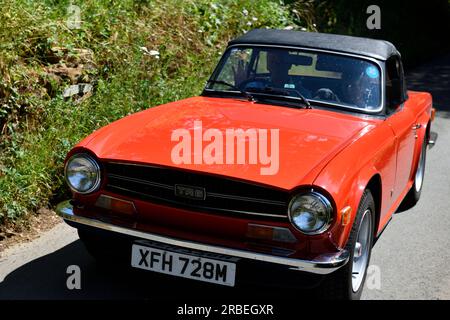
[287, 167]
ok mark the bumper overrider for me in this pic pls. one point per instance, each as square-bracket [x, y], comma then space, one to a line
[321, 265]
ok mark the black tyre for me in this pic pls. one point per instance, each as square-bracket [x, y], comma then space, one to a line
[413, 195]
[347, 283]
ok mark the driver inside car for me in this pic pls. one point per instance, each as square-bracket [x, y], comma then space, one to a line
[363, 88]
[278, 64]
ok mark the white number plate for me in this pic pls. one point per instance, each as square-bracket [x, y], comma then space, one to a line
[183, 265]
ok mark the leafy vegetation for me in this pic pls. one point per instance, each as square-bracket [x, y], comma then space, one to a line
[135, 54]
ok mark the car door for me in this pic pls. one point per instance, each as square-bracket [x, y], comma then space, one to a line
[402, 122]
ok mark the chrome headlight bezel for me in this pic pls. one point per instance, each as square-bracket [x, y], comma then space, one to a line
[95, 169]
[328, 208]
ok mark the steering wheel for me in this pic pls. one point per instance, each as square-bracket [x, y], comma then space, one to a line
[264, 85]
[295, 91]
[326, 94]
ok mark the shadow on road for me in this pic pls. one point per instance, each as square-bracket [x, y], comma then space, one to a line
[45, 278]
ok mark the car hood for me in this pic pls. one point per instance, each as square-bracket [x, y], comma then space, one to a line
[308, 138]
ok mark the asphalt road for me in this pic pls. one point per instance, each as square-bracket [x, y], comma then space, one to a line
[410, 261]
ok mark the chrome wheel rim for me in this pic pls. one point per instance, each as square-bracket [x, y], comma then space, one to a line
[362, 249]
[420, 171]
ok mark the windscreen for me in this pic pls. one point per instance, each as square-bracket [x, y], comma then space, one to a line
[333, 79]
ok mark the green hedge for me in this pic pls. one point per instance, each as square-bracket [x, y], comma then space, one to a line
[39, 126]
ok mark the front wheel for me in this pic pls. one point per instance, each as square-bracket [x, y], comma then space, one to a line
[347, 283]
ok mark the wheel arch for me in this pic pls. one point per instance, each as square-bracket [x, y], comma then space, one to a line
[375, 186]
[367, 178]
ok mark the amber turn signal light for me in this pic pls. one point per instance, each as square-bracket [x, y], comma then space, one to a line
[261, 232]
[346, 214]
[115, 204]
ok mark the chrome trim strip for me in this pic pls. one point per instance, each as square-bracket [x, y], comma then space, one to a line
[377, 62]
[204, 207]
[323, 264]
[258, 200]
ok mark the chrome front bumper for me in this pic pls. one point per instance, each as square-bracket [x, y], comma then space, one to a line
[323, 264]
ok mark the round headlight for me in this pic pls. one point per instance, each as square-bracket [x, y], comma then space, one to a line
[82, 173]
[310, 213]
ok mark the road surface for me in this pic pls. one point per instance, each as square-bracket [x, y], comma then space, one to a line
[410, 261]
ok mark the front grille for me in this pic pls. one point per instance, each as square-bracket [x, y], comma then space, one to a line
[221, 195]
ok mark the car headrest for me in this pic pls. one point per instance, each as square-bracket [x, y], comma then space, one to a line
[300, 60]
[329, 63]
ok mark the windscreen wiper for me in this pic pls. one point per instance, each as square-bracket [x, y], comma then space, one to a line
[232, 86]
[285, 93]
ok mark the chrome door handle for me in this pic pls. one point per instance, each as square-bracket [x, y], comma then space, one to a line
[416, 126]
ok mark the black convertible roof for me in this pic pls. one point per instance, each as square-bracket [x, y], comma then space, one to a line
[378, 49]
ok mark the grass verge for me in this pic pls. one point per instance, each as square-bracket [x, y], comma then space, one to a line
[135, 54]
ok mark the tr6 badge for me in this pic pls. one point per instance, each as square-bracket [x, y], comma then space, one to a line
[190, 192]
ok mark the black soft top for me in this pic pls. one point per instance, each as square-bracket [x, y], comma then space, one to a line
[378, 49]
